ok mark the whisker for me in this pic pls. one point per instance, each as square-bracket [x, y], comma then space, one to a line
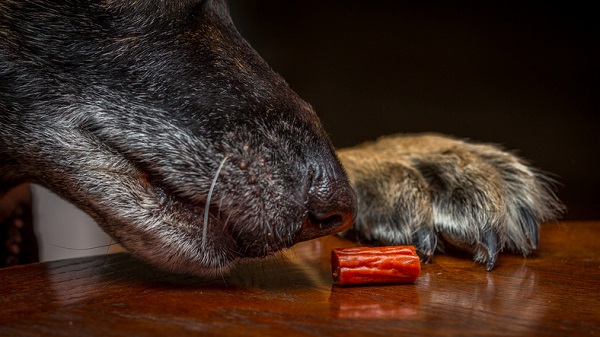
[226, 221]
[109, 245]
[206, 207]
[112, 243]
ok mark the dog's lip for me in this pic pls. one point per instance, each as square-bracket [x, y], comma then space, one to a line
[245, 247]
[262, 248]
[168, 199]
[198, 210]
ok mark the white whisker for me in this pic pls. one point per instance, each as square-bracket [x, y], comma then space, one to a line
[206, 206]
[226, 221]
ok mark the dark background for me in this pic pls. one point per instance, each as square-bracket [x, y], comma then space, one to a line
[521, 75]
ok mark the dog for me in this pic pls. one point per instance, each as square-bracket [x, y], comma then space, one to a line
[160, 121]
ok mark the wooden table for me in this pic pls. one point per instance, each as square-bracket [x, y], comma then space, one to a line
[555, 293]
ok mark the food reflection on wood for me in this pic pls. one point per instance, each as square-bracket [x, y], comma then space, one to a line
[359, 303]
[363, 265]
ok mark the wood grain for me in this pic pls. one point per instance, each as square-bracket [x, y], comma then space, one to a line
[555, 293]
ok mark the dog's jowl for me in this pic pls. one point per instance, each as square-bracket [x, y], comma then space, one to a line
[161, 122]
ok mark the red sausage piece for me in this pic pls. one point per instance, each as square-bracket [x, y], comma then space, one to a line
[362, 265]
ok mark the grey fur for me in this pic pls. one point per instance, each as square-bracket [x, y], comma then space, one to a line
[161, 122]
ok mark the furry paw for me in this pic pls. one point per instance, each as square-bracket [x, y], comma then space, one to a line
[431, 191]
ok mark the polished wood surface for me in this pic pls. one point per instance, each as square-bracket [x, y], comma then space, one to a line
[555, 293]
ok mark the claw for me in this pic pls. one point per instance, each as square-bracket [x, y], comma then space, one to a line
[491, 244]
[425, 242]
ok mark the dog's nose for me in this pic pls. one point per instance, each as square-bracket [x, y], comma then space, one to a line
[331, 203]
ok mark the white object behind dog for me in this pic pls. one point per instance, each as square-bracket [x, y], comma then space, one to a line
[64, 231]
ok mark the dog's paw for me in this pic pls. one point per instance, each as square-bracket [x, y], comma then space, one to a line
[431, 191]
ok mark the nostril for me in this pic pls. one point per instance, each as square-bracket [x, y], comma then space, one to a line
[331, 208]
[315, 226]
[325, 221]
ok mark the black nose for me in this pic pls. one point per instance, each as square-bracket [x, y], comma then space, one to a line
[331, 203]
